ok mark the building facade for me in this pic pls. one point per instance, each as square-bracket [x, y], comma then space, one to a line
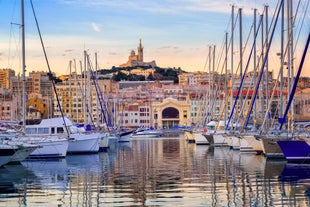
[5, 77]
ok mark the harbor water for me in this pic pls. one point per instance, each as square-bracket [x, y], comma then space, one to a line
[164, 171]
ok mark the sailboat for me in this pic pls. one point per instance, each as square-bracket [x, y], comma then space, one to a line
[9, 139]
[46, 139]
[296, 150]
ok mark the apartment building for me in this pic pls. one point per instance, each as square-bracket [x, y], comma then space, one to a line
[8, 106]
[37, 82]
[5, 77]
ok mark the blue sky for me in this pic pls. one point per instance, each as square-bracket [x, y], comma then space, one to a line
[175, 33]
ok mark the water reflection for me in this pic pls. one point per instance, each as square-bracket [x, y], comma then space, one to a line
[156, 172]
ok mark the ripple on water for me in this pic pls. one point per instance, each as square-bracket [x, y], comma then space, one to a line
[156, 172]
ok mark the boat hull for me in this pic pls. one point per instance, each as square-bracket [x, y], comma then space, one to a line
[144, 136]
[200, 139]
[220, 140]
[124, 137]
[23, 153]
[50, 149]
[249, 144]
[210, 139]
[295, 150]
[271, 149]
[6, 154]
[84, 143]
[104, 142]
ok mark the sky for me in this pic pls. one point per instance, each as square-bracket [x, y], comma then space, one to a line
[174, 33]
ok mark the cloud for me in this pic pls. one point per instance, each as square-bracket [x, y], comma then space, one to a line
[169, 47]
[95, 27]
[69, 50]
[113, 53]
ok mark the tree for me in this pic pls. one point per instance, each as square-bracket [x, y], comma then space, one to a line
[120, 76]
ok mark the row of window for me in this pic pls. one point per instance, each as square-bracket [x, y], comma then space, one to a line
[44, 130]
[135, 121]
[144, 114]
[5, 108]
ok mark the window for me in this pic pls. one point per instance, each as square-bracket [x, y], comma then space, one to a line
[43, 130]
[60, 130]
[31, 130]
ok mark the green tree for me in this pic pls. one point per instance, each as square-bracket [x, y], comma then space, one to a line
[120, 76]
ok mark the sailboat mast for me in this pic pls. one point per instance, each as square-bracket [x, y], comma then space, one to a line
[76, 91]
[292, 56]
[70, 88]
[288, 13]
[267, 72]
[254, 61]
[213, 78]
[23, 64]
[209, 91]
[97, 100]
[240, 39]
[240, 57]
[282, 61]
[225, 87]
[84, 89]
[261, 94]
[88, 73]
[232, 58]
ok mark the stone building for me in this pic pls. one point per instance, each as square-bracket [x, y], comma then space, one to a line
[171, 112]
[135, 60]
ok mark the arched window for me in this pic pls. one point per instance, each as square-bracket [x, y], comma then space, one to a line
[169, 113]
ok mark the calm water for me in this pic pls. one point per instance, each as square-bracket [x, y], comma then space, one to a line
[156, 172]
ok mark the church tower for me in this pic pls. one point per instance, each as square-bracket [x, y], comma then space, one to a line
[140, 52]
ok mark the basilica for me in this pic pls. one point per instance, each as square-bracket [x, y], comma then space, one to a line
[137, 60]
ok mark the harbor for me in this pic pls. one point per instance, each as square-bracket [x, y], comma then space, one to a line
[165, 171]
[231, 131]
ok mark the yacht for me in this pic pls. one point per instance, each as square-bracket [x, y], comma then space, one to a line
[50, 134]
[82, 141]
[146, 133]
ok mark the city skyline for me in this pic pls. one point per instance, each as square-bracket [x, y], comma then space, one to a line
[174, 34]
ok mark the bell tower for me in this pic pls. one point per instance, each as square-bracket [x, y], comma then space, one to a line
[140, 51]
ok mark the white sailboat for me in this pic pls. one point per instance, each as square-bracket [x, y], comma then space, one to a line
[50, 135]
[52, 140]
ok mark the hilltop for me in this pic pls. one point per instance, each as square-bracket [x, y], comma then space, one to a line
[124, 73]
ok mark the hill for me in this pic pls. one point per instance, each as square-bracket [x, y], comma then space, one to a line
[159, 74]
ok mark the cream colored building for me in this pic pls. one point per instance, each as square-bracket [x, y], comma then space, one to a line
[5, 77]
[171, 112]
[195, 78]
[80, 101]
